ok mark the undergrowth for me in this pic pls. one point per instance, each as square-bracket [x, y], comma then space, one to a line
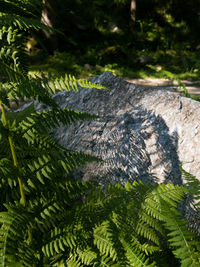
[49, 219]
[81, 65]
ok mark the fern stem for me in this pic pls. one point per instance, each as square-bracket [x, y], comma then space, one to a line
[14, 156]
[23, 200]
[3, 114]
[30, 238]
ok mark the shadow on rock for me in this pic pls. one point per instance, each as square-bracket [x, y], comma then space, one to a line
[134, 145]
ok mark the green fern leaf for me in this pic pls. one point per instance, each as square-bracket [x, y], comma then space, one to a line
[73, 262]
[8, 173]
[103, 239]
[22, 23]
[88, 84]
[147, 232]
[193, 186]
[169, 193]
[22, 8]
[148, 249]
[14, 248]
[87, 257]
[7, 70]
[61, 239]
[183, 241]
[45, 121]
[135, 257]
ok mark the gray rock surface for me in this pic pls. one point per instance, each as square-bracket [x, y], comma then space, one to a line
[142, 133]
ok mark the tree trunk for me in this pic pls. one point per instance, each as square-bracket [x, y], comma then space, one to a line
[132, 15]
[49, 18]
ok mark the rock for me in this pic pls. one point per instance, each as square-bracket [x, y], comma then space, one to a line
[143, 60]
[88, 67]
[98, 67]
[142, 133]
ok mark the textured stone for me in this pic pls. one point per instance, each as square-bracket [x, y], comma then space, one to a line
[143, 133]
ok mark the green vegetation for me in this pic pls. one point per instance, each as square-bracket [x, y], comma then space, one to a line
[104, 36]
[46, 217]
[183, 66]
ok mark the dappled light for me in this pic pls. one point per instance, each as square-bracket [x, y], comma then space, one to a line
[101, 35]
[99, 133]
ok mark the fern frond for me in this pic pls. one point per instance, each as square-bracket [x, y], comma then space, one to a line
[8, 173]
[171, 194]
[43, 170]
[42, 123]
[52, 208]
[7, 70]
[145, 223]
[61, 240]
[10, 37]
[43, 162]
[22, 23]
[146, 208]
[48, 212]
[144, 230]
[20, 7]
[30, 89]
[148, 249]
[14, 248]
[182, 241]
[13, 53]
[104, 261]
[136, 258]
[9, 7]
[66, 83]
[193, 186]
[40, 88]
[87, 257]
[88, 84]
[150, 221]
[73, 262]
[103, 239]
[151, 210]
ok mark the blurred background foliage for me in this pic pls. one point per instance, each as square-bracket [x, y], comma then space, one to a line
[123, 36]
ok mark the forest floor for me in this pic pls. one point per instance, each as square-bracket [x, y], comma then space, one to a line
[193, 87]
